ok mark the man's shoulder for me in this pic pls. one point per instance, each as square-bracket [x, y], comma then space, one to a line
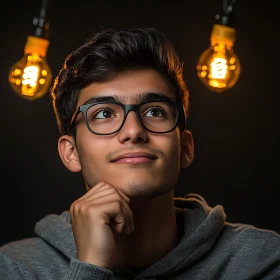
[251, 238]
[30, 257]
[25, 248]
[250, 231]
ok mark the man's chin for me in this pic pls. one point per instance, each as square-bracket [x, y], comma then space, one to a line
[142, 191]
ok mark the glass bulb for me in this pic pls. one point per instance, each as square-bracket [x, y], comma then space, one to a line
[31, 76]
[218, 67]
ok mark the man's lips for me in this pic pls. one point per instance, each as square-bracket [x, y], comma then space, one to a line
[133, 158]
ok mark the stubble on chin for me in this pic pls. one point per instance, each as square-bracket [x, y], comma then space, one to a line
[143, 191]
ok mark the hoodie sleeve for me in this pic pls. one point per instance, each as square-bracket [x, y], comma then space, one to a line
[10, 270]
[84, 271]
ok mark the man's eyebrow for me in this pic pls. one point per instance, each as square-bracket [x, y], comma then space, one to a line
[147, 96]
[137, 98]
[111, 98]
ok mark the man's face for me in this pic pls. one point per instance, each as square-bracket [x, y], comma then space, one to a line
[140, 163]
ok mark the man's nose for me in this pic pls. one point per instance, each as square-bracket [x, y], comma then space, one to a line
[132, 130]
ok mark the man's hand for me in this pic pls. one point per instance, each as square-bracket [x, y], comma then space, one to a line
[102, 212]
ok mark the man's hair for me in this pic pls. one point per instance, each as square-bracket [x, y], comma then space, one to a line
[107, 53]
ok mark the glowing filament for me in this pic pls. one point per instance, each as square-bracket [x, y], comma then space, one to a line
[30, 80]
[218, 68]
[30, 75]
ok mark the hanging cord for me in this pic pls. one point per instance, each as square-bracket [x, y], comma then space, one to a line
[41, 23]
[228, 6]
[227, 16]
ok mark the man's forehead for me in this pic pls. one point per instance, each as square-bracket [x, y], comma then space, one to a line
[129, 86]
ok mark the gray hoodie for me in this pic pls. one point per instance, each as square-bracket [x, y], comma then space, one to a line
[210, 249]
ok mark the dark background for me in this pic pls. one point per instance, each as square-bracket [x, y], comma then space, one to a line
[236, 133]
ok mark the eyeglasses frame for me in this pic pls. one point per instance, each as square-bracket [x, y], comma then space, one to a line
[180, 119]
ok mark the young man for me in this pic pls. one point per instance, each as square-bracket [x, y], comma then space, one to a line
[121, 105]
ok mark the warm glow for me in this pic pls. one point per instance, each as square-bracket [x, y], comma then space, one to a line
[31, 76]
[218, 67]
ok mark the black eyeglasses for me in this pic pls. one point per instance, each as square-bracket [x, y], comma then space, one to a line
[108, 117]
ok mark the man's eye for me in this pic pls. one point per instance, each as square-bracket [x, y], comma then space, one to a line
[104, 114]
[154, 112]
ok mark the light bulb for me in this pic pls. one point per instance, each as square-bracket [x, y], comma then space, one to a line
[31, 76]
[218, 67]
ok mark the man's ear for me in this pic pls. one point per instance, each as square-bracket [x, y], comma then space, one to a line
[68, 153]
[187, 149]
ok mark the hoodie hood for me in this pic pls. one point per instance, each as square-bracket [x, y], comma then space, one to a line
[201, 224]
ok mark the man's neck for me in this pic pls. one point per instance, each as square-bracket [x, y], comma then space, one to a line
[155, 233]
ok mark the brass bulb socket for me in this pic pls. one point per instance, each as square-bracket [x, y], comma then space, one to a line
[222, 34]
[36, 45]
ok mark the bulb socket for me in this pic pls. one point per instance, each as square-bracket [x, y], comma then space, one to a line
[223, 34]
[36, 45]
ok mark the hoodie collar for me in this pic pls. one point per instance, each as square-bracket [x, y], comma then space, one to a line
[202, 225]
